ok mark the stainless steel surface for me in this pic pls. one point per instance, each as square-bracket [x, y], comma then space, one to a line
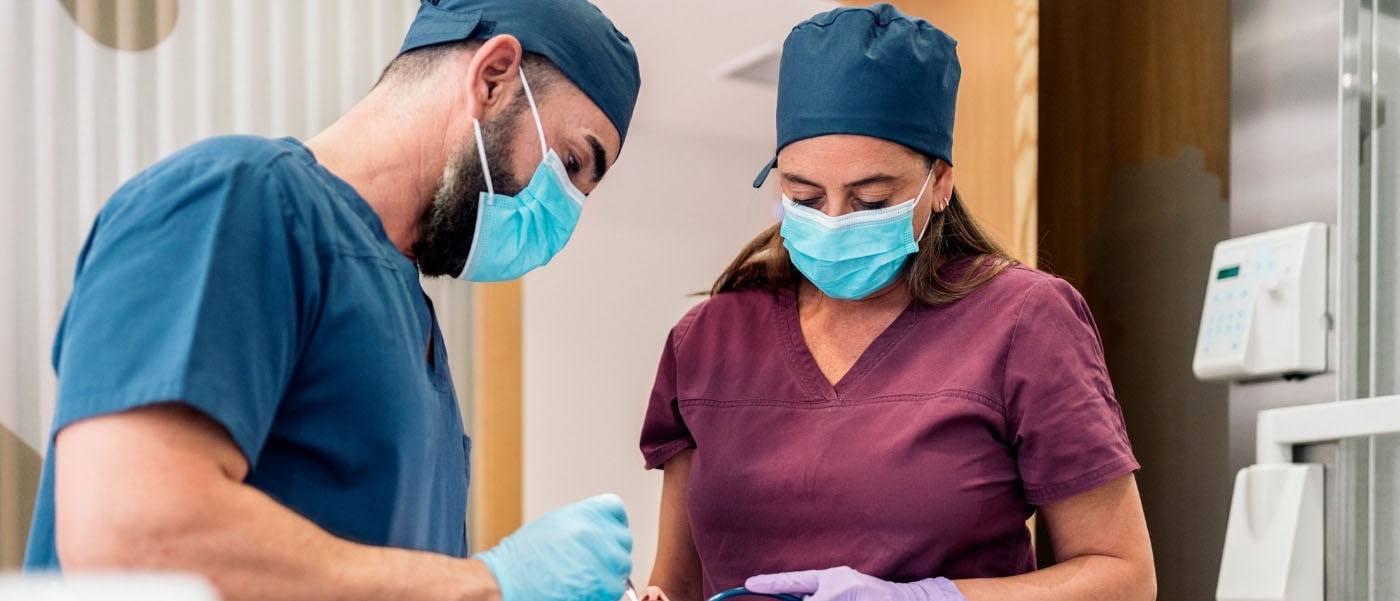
[1371, 179]
[1362, 486]
[1314, 138]
[1344, 471]
[1378, 130]
[1285, 157]
[1326, 455]
[1354, 277]
[1284, 104]
[1384, 529]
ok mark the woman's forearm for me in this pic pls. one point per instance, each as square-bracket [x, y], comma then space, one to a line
[1083, 578]
[1102, 546]
[677, 586]
[677, 567]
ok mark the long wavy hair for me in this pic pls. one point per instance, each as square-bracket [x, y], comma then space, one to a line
[953, 236]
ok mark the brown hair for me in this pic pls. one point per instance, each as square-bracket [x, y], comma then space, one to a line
[952, 236]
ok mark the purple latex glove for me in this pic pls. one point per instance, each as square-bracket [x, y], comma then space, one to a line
[846, 584]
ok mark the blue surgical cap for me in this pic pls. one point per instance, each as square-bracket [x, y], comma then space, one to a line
[871, 71]
[573, 34]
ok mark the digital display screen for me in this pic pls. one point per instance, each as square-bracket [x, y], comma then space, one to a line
[1227, 273]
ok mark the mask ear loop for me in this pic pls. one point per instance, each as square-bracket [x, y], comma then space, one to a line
[481, 144]
[534, 111]
[930, 213]
[481, 152]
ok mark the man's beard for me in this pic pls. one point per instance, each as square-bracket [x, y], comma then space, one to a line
[448, 225]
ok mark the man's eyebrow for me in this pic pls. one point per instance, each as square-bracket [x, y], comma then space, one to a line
[600, 158]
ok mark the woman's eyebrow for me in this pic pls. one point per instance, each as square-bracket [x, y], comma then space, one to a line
[879, 178]
[797, 179]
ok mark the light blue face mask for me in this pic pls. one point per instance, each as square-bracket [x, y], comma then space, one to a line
[854, 255]
[515, 234]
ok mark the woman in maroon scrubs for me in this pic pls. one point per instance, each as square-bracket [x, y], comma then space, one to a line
[875, 398]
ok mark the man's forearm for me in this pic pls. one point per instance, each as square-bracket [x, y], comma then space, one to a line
[253, 548]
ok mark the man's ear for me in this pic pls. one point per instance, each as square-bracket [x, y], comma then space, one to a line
[492, 71]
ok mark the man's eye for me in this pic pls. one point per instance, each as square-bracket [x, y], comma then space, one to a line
[572, 164]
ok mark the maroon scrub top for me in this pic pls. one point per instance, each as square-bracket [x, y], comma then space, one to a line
[925, 460]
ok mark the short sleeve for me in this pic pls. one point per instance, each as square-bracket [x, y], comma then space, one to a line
[664, 432]
[1066, 427]
[187, 290]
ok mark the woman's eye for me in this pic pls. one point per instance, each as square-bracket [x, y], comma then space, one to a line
[808, 202]
[572, 164]
[870, 205]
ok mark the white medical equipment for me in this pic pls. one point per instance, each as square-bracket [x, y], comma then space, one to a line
[1266, 306]
[1274, 541]
[1276, 535]
[106, 587]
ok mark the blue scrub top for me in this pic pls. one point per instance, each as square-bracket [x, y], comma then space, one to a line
[244, 280]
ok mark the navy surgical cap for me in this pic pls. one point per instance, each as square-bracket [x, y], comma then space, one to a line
[871, 71]
[573, 34]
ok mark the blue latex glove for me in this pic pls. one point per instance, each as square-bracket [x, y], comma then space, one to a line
[846, 584]
[579, 552]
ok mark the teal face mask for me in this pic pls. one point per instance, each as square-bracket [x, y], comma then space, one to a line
[516, 234]
[855, 255]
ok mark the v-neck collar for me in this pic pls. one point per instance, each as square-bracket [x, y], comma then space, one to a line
[804, 364]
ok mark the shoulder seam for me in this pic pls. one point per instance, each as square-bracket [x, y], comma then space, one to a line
[1033, 271]
[683, 327]
[289, 212]
[282, 153]
[1011, 344]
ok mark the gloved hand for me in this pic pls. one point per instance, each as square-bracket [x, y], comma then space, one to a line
[579, 552]
[846, 584]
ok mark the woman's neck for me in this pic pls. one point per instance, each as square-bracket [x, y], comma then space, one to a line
[813, 302]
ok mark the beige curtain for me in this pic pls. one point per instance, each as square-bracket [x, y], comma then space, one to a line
[19, 478]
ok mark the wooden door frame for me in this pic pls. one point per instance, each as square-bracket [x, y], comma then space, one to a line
[497, 407]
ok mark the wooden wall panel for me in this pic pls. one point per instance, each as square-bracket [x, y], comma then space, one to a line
[497, 497]
[1126, 82]
[1134, 178]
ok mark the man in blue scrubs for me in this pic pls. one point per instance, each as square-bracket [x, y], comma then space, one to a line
[252, 384]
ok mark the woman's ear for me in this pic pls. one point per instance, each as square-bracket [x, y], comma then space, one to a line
[492, 71]
[942, 185]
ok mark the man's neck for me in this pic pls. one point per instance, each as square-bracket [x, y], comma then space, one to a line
[381, 148]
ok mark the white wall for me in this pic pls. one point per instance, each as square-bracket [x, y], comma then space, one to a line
[673, 213]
